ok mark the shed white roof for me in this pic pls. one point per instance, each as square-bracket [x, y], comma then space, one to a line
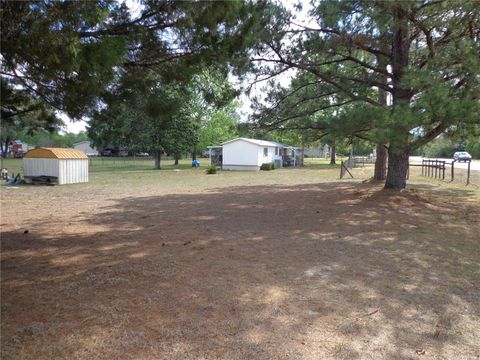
[259, 142]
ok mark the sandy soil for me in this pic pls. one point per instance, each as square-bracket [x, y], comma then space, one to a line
[308, 271]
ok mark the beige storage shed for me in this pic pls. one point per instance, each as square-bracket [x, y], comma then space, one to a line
[69, 166]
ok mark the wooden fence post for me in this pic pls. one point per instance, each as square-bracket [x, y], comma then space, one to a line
[468, 173]
[453, 170]
[443, 170]
[343, 170]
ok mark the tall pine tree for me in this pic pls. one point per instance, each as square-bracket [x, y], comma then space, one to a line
[425, 55]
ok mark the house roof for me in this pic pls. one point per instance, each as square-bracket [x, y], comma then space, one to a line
[82, 142]
[55, 153]
[259, 142]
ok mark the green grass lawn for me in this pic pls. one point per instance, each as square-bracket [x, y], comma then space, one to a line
[120, 174]
[130, 164]
[114, 164]
[128, 175]
[122, 164]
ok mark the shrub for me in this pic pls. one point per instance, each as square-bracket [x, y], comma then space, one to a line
[267, 166]
[211, 170]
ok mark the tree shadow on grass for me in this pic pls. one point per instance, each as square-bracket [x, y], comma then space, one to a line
[462, 194]
[312, 271]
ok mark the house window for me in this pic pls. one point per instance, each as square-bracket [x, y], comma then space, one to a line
[265, 152]
[276, 151]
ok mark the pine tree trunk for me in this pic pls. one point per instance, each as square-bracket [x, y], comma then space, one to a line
[332, 155]
[397, 169]
[380, 163]
[177, 157]
[194, 152]
[399, 150]
[158, 157]
[380, 171]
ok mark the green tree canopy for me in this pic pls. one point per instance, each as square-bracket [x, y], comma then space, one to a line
[424, 54]
[23, 115]
[220, 126]
[66, 53]
[146, 113]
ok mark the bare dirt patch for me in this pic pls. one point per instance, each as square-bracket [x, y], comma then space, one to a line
[307, 271]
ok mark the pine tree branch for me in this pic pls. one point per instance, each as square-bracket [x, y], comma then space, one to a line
[310, 112]
[35, 91]
[128, 28]
[350, 37]
[8, 113]
[429, 136]
[426, 32]
[134, 63]
[365, 65]
[427, 4]
[326, 78]
[286, 96]
[300, 101]
[271, 76]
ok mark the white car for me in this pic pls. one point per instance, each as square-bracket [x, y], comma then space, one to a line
[462, 156]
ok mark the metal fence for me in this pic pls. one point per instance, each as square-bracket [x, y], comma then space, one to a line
[363, 160]
[118, 161]
[353, 162]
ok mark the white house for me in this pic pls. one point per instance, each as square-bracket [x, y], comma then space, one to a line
[65, 166]
[250, 154]
[86, 147]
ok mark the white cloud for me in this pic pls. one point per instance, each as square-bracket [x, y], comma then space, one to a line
[135, 7]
